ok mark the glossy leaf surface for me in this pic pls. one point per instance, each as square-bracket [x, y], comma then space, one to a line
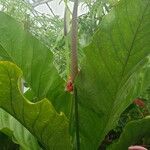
[40, 118]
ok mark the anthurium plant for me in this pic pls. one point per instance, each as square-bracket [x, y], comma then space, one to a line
[78, 115]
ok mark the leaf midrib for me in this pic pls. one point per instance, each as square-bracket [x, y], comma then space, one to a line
[133, 41]
[126, 63]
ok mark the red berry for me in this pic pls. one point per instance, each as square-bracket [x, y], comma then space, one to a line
[139, 102]
[69, 86]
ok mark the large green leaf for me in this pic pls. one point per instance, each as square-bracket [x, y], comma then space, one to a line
[40, 118]
[133, 132]
[107, 82]
[35, 60]
[17, 132]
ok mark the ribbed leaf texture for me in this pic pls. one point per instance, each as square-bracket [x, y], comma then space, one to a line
[40, 118]
[35, 60]
[107, 82]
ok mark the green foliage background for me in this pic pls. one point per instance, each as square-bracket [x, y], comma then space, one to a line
[114, 71]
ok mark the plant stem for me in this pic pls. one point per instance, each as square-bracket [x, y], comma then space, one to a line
[74, 68]
[50, 9]
[76, 120]
[74, 42]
